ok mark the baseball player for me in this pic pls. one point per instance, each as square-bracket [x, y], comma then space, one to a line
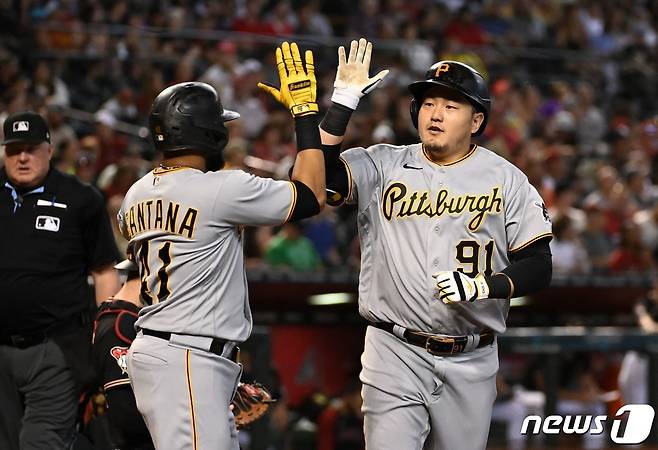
[449, 232]
[184, 221]
[114, 331]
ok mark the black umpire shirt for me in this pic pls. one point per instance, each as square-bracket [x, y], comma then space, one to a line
[50, 238]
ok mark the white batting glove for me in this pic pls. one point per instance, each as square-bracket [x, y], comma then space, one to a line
[352, 79]
[454, 287]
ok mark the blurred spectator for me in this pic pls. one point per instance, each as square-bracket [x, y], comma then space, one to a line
[321, 231]
[60, 131]
[340, 425]
[50, 88]
[578, 394]
[311, 20]
[569, 256]
[223, 59]
[641, 192]
[647, 223]
[592, 124]
[304, 430]
[289, 248]
[121, 107]
[513, 404]
[66, 155]
[634, 373]
[272, 143]
[251, 20]
[234, 154]
[596, 240]
[464, 29]
[631, 255]
[563, 206]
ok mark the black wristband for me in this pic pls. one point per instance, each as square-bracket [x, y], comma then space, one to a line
[336, 120]
[308, 133]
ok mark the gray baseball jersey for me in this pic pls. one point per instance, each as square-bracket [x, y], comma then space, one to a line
[186, 229]
[417, 218]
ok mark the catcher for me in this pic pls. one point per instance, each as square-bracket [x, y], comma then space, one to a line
[114, 331]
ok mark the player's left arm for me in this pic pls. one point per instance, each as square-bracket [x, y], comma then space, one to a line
[530, 271]
[528, 231]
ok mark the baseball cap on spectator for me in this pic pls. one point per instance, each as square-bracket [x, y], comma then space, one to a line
[227, 47]
[25, 127]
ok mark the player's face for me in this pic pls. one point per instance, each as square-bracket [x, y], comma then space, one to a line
[27, 164]
[446, 120]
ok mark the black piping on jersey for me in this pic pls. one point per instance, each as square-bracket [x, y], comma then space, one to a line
[305, 202]
[467, 155]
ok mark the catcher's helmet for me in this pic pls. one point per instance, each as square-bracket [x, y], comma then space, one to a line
[128, 265]
[189, 116]
[458, 77]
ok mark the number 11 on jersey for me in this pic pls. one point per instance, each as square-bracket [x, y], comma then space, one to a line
[164, 257]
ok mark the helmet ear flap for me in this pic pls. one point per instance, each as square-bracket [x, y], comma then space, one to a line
[413, 112]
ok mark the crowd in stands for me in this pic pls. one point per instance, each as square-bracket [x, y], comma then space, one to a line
[573, 86]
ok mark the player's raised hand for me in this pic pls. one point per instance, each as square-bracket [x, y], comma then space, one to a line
[352, 78]
[298, 89]
[454, 287]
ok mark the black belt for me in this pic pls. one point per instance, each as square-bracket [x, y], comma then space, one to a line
[437, 345]
[216, 347]
[25, 340]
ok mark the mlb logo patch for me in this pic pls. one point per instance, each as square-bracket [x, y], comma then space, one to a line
[47, 223]
[21, 125]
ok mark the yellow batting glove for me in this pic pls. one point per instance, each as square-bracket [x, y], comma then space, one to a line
[298, 86]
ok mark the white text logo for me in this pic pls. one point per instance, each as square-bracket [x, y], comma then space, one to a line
[638, 424]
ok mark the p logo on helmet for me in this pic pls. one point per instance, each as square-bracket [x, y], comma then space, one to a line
[455, 76]
[442, 68]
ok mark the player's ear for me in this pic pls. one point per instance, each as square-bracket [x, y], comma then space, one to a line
[476, 120]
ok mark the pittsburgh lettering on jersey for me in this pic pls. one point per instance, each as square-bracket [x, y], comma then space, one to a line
[154, 215]
[401, 203]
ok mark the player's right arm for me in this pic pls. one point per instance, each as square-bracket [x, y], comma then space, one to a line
[351, 84]
[298, 92]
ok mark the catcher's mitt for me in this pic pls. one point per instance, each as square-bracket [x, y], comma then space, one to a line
[250, 402]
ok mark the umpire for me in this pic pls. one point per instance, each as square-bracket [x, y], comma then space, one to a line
[54, 232]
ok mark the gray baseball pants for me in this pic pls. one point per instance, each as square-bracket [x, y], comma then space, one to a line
[183, 392]
[413, 400]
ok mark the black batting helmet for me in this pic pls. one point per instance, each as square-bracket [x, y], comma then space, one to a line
[190, 116]
[459, 77]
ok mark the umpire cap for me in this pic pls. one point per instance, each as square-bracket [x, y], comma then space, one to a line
[189, 116]
[25, 127]
[458, 77]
